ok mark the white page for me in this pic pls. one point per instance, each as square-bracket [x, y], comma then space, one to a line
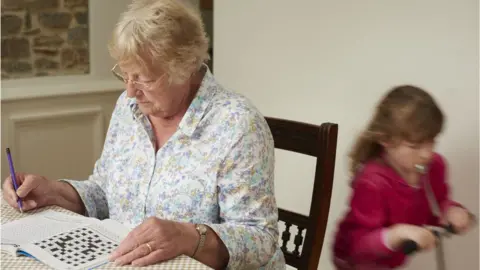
[118, 228]
[40, 226]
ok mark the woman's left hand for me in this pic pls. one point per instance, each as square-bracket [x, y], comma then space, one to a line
[153, 241]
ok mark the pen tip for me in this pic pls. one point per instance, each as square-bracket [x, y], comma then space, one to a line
[8, 150]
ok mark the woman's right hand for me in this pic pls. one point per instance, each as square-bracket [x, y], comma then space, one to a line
[34, 191]
[400, 233]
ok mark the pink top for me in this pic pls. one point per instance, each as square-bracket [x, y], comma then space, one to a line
[380, 199]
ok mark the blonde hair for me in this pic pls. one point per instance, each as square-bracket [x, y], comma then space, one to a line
[405, 113]
[161, 35]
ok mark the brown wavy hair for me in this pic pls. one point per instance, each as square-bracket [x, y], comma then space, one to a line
[406, 113]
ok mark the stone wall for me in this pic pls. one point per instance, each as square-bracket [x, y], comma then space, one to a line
[44, 38]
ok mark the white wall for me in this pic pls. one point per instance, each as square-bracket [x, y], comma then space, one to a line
[318, 61]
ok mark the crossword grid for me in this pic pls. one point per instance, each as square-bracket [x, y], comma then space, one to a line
[78, 247]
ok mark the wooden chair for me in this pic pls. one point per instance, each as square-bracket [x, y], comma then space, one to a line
[320, 142]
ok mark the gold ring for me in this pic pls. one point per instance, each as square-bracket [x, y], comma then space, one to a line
[149, 247]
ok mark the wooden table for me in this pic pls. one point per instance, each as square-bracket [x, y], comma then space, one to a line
[9, 262]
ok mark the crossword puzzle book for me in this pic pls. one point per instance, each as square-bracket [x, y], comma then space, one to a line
[63, 241]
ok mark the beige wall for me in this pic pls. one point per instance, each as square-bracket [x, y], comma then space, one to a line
[319, 61]
[57, 137]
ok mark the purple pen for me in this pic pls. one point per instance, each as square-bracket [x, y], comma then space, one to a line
[14, 177]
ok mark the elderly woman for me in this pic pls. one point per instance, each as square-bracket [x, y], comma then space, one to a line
[186, 164]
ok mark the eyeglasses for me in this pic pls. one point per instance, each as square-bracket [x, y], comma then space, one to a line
[142, 86]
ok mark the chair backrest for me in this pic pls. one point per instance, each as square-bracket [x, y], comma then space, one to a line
[319, 141]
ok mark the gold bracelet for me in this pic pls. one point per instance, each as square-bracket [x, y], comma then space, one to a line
[202, 231]
[196, 249]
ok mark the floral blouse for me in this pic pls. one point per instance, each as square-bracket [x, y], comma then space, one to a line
[216, 169]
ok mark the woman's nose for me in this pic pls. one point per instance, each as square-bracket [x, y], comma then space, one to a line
[130, 89]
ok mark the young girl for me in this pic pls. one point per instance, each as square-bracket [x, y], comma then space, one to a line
[389, 204]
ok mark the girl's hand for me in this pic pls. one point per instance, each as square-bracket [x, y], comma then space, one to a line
[460, 219]
[399, 233]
